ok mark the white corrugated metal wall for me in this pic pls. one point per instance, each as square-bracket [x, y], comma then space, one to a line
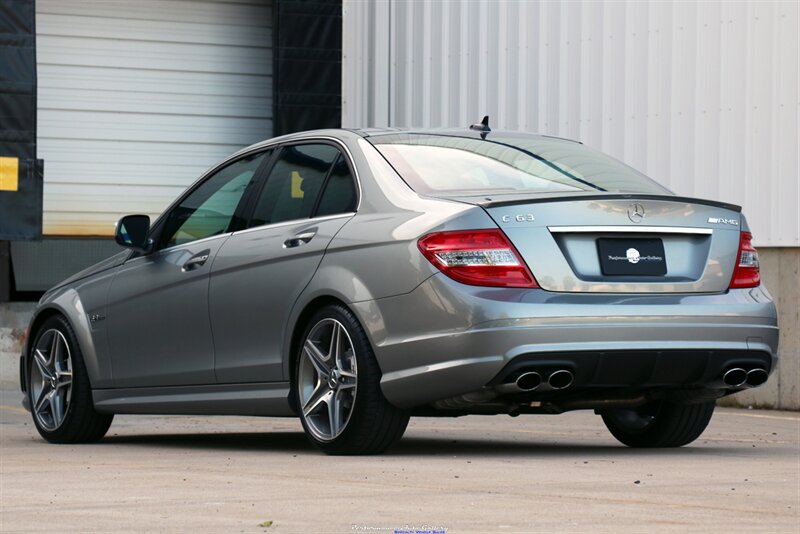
[702, 96]
[138, 97]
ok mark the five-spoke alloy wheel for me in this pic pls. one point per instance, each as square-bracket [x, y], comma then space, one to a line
[51, 379]
[337, 387]
[328, 379]
[59, 393]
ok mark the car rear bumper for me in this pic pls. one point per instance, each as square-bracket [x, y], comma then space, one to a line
[446, 339]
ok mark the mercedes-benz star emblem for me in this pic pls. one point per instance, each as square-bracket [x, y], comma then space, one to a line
[636, 212]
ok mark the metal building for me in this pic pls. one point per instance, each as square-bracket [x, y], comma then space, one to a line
[137, 98]
[701, 96]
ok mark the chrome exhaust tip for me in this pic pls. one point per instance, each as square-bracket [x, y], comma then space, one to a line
[560, 379]
[734, 377]
[756, 377]
[529, 381]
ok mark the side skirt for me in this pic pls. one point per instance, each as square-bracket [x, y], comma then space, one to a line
[266, 399]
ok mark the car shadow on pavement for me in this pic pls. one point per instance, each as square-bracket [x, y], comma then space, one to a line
[244, 441]
[533, 448]
[296, 442]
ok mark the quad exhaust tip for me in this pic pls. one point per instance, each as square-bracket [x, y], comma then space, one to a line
[560, 379]
[739, 377]
[529, 381]
[756, 377]
[735, 377]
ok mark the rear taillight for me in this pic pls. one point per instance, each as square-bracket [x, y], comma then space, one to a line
[477, 257]
[746, 273]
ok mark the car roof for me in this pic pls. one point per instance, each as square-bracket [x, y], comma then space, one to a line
[456, 132]
[379, 132]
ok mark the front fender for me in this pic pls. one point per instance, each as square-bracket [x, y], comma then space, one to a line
[68, 303]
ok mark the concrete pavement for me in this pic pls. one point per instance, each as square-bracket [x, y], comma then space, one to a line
[472, 474]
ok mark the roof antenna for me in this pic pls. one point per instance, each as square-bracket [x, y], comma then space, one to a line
[482, 127]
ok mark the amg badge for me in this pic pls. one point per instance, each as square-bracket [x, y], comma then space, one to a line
[718, 220]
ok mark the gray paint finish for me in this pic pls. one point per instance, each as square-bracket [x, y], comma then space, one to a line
[159, 329]
[254, 280]
[694, 264]
[208, 340]
[433, 353]
[241, 399]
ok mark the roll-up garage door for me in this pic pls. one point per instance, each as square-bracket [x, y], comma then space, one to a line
[138, 97]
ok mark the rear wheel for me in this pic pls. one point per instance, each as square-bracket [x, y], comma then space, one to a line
[659, 424]
[337, 388]
[59, 393]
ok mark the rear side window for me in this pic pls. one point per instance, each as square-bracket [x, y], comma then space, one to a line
[339, 195]
[447, 165]
[297, 180]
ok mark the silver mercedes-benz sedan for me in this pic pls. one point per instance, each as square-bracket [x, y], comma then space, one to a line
[355, 278]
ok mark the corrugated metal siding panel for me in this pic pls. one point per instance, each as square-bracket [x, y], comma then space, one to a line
[138, 97]
[702, 96]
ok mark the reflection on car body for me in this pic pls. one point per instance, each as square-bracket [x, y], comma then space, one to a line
[357, 278]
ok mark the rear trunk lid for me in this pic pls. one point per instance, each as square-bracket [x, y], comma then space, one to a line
[619, 243]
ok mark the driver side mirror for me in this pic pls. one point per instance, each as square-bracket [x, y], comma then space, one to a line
[131, 232]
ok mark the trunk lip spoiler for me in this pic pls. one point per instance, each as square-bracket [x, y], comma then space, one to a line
[488, 203]
[583, 229]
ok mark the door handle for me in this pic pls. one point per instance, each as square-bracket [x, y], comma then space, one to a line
[195, 261]
[299, 239]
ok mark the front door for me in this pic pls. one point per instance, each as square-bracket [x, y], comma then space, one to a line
[158, 326]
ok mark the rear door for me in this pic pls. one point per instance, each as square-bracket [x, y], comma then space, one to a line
[624, 244]
[259, 273]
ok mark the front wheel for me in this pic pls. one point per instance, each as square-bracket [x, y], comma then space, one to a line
[337, 388]
[659, 424]
[58, 387]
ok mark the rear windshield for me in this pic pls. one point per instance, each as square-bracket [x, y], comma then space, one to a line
[449, 165]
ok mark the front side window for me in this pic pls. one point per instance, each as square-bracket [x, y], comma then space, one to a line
[294, 183]
[209, 209]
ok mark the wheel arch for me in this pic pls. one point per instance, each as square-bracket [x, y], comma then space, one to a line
[368, 317]
[378, 424]
[38, 319]
[300, 323]
[69, 306]
[79, 422]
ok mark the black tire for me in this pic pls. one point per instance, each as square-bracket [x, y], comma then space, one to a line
[659, 424]
[374, 424]
[81, 423]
